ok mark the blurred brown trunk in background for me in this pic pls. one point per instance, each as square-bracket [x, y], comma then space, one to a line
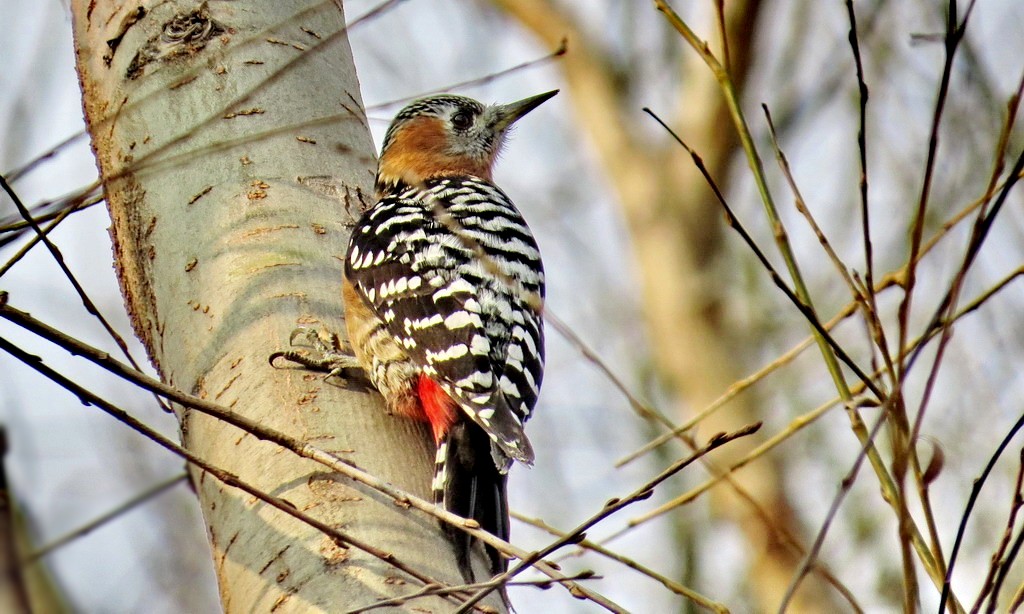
[675, 227]
[25, 586]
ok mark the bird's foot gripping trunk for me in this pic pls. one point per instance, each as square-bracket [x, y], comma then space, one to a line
[330, 355]
[467, 483]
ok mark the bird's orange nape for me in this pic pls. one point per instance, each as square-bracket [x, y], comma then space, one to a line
[419, 152]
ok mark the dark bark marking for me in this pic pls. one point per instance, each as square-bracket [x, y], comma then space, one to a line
[129, 20]
[185, 34]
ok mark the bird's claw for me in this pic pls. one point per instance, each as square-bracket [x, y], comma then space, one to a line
[314, 339]
[323, 352]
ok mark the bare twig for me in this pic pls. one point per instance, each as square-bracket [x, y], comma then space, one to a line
[889, 280]
[427, 591]
[14, 226]
[57, 217]
[90, 307]
[734, 390]
[832, 351]
[903, 442]
[1004, 569]
[978, 234]
[668, 583]
[90, 398]
[785, 536]
[258, 38]
[19, 172]
[977, 239]
[801, 207]
[798, 301]
[954, 34]
[614, 505]
[806, 419]
[296, 446]
[114, 514]
[800, 293]
[862, 149]
[557, 53]
[997, 556]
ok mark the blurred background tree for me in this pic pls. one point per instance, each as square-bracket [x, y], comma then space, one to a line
[641, 267]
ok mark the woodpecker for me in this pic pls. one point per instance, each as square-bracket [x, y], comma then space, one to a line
[443, 291]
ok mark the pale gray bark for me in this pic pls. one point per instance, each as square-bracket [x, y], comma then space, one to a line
[229, 223]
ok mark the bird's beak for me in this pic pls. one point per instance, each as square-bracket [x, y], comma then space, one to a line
[509, 113]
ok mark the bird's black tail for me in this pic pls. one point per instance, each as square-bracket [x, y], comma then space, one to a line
[467, 483]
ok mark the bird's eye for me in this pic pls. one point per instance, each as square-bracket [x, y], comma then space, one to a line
[462, 120]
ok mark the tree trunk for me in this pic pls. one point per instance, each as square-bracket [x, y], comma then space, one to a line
[235, 156]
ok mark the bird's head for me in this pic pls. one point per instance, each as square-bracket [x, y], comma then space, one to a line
[447, 135]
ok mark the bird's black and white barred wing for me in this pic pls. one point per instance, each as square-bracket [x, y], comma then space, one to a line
[455, 275]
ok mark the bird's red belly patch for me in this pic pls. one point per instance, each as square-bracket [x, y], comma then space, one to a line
[439, 408]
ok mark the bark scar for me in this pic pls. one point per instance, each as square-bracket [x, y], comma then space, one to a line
[129, 20]
[274, 559]
[185, 34]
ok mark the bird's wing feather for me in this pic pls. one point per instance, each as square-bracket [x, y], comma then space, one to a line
[455, 275]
